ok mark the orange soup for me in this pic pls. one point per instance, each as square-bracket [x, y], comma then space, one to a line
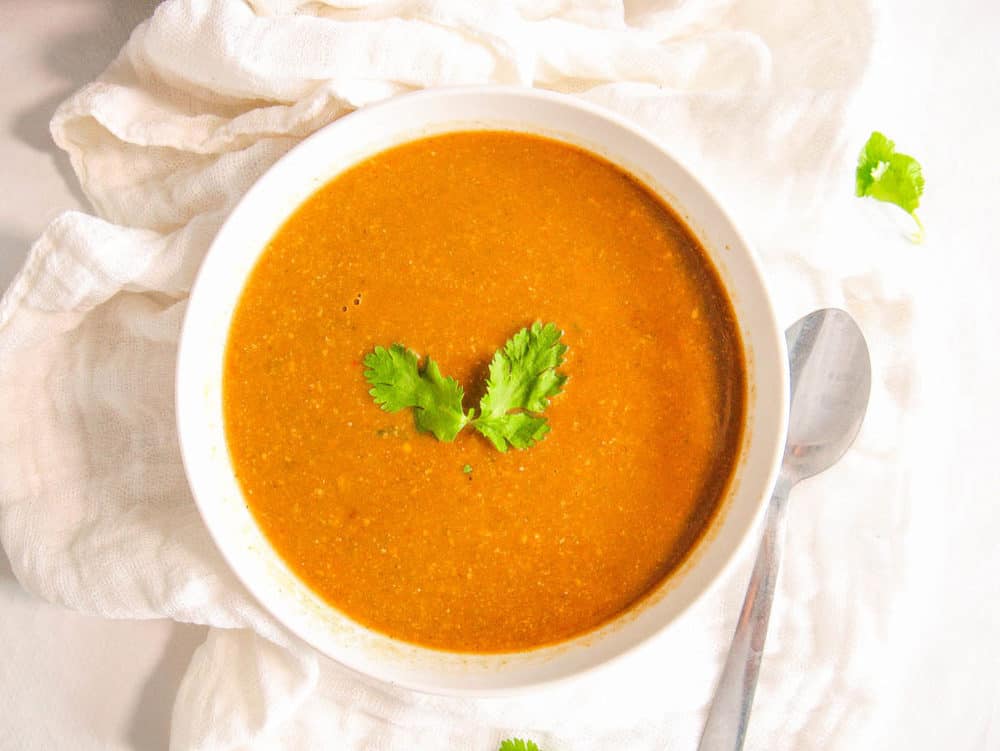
[449, 245]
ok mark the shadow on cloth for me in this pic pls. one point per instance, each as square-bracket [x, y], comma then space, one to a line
[150, 724]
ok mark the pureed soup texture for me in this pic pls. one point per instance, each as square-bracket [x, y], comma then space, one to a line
[450, 245]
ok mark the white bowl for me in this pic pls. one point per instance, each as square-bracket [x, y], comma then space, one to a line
[243, 238]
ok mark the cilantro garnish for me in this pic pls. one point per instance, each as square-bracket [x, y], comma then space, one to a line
[522, 376]
[886, 175]
[522, 380]
[398, 382]
[516, 744]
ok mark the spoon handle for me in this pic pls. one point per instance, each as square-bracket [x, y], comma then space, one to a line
[726, 725]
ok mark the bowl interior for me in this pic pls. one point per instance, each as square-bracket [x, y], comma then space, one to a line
[219, 285]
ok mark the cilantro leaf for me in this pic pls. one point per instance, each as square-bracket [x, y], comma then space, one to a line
[516, 744]
[886, 175]
[398, 382]
[522, 374]
[522, 380]
[518, 429]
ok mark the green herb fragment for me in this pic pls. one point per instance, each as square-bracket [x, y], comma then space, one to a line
[522, 380]
[398, 382]
[886, 175]
[467, 469]
[516, 744]
[519, 430]
[522, 376]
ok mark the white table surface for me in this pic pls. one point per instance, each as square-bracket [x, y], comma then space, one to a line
[70, 681]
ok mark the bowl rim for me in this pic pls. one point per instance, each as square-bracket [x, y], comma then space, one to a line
[182, 393]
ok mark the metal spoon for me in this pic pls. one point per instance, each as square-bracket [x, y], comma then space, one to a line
[830, 383]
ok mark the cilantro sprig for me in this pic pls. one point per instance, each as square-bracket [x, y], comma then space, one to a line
[516, 744]
[523, 378]
[886, 175]
[397, 382]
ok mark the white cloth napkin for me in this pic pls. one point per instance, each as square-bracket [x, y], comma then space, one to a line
[95, 512]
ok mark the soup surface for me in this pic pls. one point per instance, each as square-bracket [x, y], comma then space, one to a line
[449, 245]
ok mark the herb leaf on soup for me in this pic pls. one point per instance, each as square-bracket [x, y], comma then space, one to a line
[523, 373]
[886, 175]
[516, 744]
[397, 382]
[522, 380]
[519, 430]
[523, 377]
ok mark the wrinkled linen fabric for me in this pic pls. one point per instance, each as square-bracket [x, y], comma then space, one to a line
[95, 512]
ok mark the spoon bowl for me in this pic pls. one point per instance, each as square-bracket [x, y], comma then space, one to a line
[830, 383]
